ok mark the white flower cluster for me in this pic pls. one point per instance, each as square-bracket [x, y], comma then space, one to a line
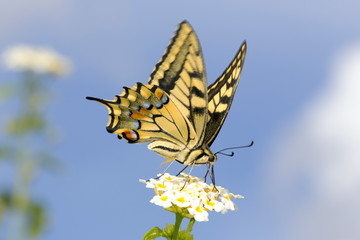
[190, 196]
[36, 59]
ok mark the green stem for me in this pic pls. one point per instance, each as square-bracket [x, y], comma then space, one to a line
[18, 229]
[20, 196]
[191, 224]
[178, 221]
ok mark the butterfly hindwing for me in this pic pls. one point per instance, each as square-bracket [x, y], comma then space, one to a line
[221, 94]
[145, 113]
[181, 74]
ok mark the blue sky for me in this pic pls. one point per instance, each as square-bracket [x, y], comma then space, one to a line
[298, 56]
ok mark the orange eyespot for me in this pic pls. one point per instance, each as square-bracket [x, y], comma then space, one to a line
[130, 135]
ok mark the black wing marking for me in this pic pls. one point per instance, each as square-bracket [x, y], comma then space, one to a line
[181, 74]
[221, 94]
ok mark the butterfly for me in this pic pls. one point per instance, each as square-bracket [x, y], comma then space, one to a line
[176, 112]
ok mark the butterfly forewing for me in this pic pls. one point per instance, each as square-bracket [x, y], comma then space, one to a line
[221, 94]
[181, 74]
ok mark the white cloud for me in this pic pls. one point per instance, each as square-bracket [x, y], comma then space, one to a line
[317, 164]
[16, 13]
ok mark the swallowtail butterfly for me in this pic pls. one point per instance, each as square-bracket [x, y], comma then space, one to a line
[176, 112]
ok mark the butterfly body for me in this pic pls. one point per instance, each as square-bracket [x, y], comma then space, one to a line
[176, 112]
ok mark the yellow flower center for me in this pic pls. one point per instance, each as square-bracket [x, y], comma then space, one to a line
[161, 186]
[212, 204]
[163, 198]
[198, 209]
[181, 199]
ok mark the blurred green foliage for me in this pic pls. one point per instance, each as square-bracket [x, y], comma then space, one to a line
[24, 144]
[35, 218]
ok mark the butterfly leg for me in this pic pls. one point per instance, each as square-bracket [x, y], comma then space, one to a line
[210, 171]
[188, 176]
[171, 162]
[167, 161]
[182, 170]
[207, 172]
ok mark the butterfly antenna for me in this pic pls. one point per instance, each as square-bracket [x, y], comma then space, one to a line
[229, 155]
[232, 153]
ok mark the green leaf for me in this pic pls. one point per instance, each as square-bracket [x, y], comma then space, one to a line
[37, 219]
[26, 123]
[4, 203]
[185, 235]
[153, 233]
[191, 224]
[2, 209]
[168, 231]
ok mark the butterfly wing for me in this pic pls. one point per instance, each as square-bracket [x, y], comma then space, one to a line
[221, 94]
[181, 74]
[145, 113]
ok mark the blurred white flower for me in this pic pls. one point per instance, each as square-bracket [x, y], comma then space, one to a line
[39, 60]
[190, 196]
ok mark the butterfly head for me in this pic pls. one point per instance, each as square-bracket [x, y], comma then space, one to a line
[201, 156]
[212, 158]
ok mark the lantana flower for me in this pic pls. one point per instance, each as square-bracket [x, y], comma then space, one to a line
[190, 196]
